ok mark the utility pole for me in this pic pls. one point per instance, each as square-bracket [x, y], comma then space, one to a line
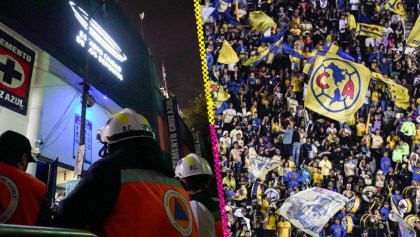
[85, 83]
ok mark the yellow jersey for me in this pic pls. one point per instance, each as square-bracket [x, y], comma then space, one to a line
[360, 129]
[271, 222]
[284, 229]
[392, 140]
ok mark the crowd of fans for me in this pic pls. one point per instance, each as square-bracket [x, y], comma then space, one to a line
[267, 114]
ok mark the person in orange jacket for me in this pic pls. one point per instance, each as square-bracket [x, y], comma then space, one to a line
[131, 191]
[22, 196]
[195, 174]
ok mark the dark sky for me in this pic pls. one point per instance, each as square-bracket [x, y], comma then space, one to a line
[169, 28]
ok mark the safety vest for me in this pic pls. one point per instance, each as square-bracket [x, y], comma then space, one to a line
[213, 206]
[21, 196]
[149, 204]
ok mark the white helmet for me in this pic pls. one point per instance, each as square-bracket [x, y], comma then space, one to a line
[192, 165]
[124, 125]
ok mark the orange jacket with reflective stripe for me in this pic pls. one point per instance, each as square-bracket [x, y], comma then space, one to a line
[21, 196]
[151, 204]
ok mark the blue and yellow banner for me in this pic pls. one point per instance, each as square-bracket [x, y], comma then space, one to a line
[311, 209]
[337, 88]
[396, 6]
[373, 31]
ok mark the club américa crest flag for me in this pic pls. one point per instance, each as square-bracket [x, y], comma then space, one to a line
[337, 88]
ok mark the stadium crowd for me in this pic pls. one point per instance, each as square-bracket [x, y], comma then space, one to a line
[373, 157]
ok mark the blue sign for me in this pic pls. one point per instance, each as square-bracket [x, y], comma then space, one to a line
[70, 185]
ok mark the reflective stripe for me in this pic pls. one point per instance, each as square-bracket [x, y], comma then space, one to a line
[151, 176]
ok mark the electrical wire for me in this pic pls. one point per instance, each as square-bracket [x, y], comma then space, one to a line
[55, 127]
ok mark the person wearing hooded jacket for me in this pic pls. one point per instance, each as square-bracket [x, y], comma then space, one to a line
[131, 191]
[195, 175]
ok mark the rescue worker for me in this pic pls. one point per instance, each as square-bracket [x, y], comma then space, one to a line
[131, 191]
[22, 196]
[195, 174]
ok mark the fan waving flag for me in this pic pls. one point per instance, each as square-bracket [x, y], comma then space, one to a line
[311, 209]
[227, 54]
[373, 31]
[260, 21]
[399, 94]
[414, 38]
[396, 6]
[337, 88]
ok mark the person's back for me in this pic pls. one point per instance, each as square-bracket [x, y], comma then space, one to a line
[130, 192]
[195, 175]
[21, 194]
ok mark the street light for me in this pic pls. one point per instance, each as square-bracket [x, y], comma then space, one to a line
[141, 23]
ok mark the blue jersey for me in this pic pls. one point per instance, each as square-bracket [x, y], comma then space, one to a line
[337, 230]
[416, 173]
[385, 164]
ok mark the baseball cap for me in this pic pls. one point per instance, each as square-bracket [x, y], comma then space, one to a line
[15, 142]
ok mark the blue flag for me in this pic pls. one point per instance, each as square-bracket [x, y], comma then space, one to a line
[222, 108]
[272, 39]
[286, 48]
[230, 19]
[234, 86]
[215, 13]
[363, 18]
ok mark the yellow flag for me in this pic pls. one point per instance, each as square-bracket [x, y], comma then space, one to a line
[227, 55]
[337, 87]
[399, 94]
[396, 6]
[414, 38]
[218, 94]
[260, 21]
[373, 31]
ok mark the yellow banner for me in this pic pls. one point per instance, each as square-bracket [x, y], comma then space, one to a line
[311, 209]
[414, 38]
[227, 54]
[337, 88]
[373, 31]
[399, 94]
[396, 6]
[260, 21]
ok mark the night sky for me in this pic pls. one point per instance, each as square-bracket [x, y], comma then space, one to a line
[169, 28]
